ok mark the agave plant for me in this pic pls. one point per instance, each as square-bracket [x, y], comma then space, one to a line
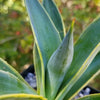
[62, 68]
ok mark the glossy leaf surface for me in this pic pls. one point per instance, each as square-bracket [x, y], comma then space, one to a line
[21, 97]
[54, 14]
[59, 64]
[85, 44]
[10, 84]
[88, 75]
[6, 67]
[38, 69]
[83, 47]
[78, 75]
[46, 36]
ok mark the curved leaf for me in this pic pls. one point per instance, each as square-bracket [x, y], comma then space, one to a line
[46, 36]
[21, 97]
[91, 97]
[88, 75]
[54, 14]
[83, 47]
[59, 64]
[38, 70]
[6, 67]
[10, 84]
[65, 92]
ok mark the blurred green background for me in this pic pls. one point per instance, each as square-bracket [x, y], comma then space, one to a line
[16, 40]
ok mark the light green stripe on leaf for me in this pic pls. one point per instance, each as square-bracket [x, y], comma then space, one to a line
[54, 14]
[21, 97]
[59, 64]
[46, 35]
[10, 84]
[77, 76]
[91, 97]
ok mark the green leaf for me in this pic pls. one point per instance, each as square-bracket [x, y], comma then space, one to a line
[83, 47]
[88, 75]
[46, 36]
[59, 64]
[10, 84]
[21, 97]
[54, 14]
[6, 67]
[38, 70]
[91, 97]
[65, 91]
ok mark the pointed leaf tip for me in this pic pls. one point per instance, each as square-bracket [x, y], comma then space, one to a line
[74, 19]
[90, 97]
[59, 64]
[73, 22]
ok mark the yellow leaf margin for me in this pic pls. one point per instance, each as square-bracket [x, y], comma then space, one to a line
[21, 97]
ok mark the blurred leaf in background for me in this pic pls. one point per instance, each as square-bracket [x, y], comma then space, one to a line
[97, 2]
[16, 40]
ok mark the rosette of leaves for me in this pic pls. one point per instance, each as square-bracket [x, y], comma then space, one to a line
[62, 68]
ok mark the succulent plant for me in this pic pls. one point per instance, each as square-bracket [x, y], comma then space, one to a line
[62, 68]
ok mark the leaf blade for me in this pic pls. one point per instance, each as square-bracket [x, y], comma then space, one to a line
[45, 28]
[10, 84]
[77, 76]
[83, 47]
[92, 71]
[6, 67]
[21, 97]
[54, 14]
[59, 64]
[38, 70]
[42, 27]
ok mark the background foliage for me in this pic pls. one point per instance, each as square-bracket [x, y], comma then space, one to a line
[16, 40]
